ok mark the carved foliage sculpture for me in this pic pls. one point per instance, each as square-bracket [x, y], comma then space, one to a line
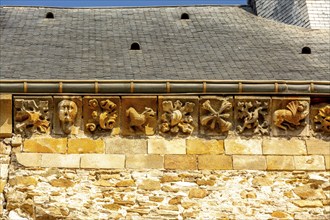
[177, 117]
[322, 120]
[138, 121]
[217, 120]
[292, 117]
[252, 117]
[103, 116]
[32, 117]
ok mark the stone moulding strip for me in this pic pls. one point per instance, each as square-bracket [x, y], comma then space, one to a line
[164, 87]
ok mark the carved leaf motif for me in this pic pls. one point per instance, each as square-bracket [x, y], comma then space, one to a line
[167, 106]
[93, 103]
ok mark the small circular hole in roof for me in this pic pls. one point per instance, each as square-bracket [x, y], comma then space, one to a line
[184, 16]
[135, 46]
[306, 50]
[50, 15]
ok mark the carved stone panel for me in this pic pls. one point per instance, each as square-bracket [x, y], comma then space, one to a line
[252, 115]
[139, 115]
[320, 116]
[101, 114]
[67, 115]
[33, 115]
[178, 115]
[216, 115]
[290, 116]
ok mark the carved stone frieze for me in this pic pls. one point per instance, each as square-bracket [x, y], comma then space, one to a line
[178, 115]
[101, 114]
[289, 116]
[215, 115]
[320, 116]
[322, 120]
[252, 115]
[67, 117]
[33, 115]
[139, 115]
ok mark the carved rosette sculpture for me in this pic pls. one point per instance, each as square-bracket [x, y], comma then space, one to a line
[177, 117]
[292, 117]
[31, 118]
[137, 121]
[322, 120]
[252, 117]
[217, 120]
[67, 113]
[103, 116]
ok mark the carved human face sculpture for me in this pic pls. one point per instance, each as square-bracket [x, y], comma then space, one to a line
[67, 113]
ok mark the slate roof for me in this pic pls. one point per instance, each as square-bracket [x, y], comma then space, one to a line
[216, 43]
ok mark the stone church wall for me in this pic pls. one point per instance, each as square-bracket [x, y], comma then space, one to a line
[101, 157]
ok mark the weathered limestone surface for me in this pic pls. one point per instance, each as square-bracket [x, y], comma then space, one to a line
[240, 146]
[60, 160]
[45, 145]
[180, 162]
[125, 146]
[245, 162]
[280, 163]
[102, 161]
[6, 115]
[215, 162]
[163, 146]
[202, 146]
[85, 145]
[275, 146]
[313, 162]
[164, 194]
[317, 146]
[145, 161]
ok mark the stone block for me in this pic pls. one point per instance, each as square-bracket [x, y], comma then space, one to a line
[240, 146]
[4, 171]
[162, 146]
[278, 146]
[215, 162]
[60, 160]
[29, 159]
[85, 145]
[6, 122]
[4, 148]
[327, 162]
[67, 118]
[203, 146]
[180, 162]
[247, 162]
[103, 161]
[139, 115]
[45, 145]
[33, 115]
[252, 115]
[312, 162]
[125, 146]
[317, 146]
[145, 161]
[290, 116]
[319, 114]
[280, 163]
[101, 115]
[216, 115]
[178, 115]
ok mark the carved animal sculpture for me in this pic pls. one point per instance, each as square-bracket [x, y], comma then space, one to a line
[137, 120]
[297, 111]
[251, 121]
